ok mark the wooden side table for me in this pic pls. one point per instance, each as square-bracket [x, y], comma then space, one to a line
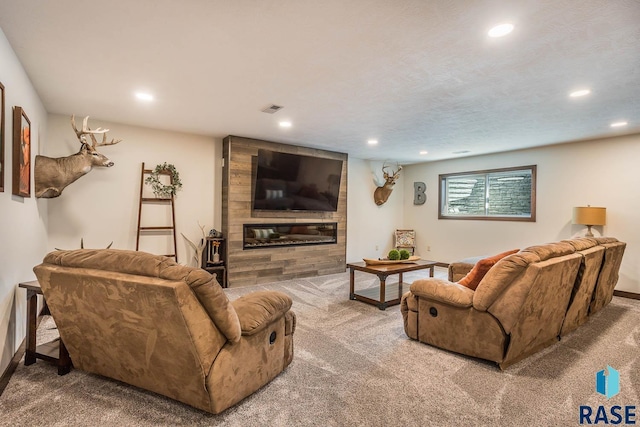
[53, 351]
[212, 263]
[221, 274]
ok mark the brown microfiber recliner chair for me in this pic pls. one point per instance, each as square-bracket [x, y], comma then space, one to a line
[147, 321]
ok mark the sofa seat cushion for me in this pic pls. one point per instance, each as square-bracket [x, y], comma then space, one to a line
[474, 277]
[258, 310]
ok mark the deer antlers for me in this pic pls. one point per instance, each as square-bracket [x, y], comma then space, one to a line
[394, 175]
[86, 130]
[199, 248]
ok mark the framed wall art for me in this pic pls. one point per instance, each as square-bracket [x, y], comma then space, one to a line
[1, 138]
[21, 181]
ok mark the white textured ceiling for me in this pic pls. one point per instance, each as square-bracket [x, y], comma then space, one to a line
[416, 75]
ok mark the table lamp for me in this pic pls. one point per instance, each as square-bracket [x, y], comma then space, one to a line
[589, 216]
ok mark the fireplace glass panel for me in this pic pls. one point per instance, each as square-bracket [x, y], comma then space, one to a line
[258, 236]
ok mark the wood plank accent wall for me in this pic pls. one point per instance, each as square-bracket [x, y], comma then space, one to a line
[251, 267]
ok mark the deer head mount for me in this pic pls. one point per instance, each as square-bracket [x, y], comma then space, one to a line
[382, 193]
[52, 175]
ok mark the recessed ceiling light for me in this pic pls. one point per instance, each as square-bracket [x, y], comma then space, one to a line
[618, 124]
[144, 96]
[500, 30]
[423, 152]
[372, 142]
[285, 124]
[579, 93]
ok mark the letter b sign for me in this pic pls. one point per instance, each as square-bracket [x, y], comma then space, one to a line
[419, 197]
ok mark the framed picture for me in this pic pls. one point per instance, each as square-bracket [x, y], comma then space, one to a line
[21, 153]
[1, 138]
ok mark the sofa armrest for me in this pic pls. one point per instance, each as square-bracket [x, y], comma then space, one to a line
[258, 310]
[457, 270]
[443, 291]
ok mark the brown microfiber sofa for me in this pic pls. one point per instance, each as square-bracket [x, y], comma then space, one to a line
[524, 303]
[144, 320]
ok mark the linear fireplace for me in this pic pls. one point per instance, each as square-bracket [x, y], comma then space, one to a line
[258, 236]
[253, 260]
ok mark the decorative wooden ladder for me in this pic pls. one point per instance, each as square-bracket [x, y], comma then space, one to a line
[167, 200]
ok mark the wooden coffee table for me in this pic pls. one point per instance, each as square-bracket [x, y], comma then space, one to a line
[384, 296]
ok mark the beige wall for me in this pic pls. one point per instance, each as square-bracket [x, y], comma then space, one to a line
[368, 225]
[102, 206]
[600, 173]
[23, 237]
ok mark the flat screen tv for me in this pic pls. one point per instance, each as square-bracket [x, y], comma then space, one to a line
[292, 182]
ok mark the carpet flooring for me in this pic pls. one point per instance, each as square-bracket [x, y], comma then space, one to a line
[354, 366]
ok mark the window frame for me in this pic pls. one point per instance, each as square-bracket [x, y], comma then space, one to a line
[486, 172]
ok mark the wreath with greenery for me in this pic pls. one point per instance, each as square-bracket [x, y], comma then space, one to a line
[160, 189]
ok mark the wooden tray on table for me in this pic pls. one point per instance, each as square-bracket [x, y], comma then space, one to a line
[385, 261]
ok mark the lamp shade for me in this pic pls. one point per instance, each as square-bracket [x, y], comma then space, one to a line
[589, 215]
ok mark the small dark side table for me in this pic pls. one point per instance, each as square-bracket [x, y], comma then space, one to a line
[53, 351]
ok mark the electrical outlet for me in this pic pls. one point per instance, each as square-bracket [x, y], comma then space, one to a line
[428, 248]
[376, 247]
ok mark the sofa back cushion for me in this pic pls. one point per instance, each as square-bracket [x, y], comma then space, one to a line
[498, 279]
[588, 272]
[582, 243]
[533, 308]
[203, 284]
[528, 293]
[550, 250]
[480, 269]
[608, 277]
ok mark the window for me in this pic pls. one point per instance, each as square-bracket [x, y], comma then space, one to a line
[497, 194]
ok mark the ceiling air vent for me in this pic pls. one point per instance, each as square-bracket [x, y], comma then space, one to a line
[272, 109]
